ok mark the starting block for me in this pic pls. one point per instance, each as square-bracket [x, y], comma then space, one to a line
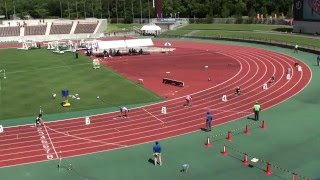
[1, 129]
[164, 110]
[288, 76]
[265, 86]
[224, 98]
[299, 68]
[87, 120]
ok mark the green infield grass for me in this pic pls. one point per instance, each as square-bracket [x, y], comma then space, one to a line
[246, 31]
[237, 27]
[33, 76]
[121, 27]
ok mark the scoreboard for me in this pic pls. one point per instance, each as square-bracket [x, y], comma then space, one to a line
[306, 10]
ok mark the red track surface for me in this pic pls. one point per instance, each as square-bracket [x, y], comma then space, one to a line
[26, 144]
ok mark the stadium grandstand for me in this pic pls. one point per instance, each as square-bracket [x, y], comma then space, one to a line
[306, 16]
[51, 29]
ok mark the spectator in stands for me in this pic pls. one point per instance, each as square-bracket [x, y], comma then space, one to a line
[237, 91]
[157, 153]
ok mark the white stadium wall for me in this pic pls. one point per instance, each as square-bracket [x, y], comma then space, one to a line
[306, 27]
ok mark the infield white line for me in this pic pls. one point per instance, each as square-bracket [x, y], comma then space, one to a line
[153, 115]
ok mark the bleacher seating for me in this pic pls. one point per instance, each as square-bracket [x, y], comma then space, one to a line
[9, 31]
[60, 28]
[35, 30]
[85, 28]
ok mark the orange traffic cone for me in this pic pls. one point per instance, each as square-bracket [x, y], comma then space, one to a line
[268, 170]
[224, 151]
[208, 142]
[229, 138]
[247, 130]
[245, 159]
[263, 126]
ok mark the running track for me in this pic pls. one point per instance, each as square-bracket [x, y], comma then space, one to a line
[27, 144]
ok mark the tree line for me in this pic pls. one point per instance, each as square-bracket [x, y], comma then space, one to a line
[129, 9]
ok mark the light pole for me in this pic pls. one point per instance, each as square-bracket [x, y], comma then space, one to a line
[14, 7]
[84, 9]
[109, 11]
[124, 9]
[117, 10]
[132, 11]
[60, 9]
[149, 10]
[100, 10]
[77, 9]
[5, 5]
[69, 10]
[92, 8]
[140, 12]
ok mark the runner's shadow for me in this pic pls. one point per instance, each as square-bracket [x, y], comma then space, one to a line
[204, 129]
[251, 118]
[151, 161]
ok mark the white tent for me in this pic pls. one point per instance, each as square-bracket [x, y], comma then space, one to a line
[151, 27]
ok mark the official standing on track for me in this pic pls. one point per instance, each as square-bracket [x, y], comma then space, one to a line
[318, 60]
[208, 121]
[157, 153]
[256, 110]
[39, 120]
